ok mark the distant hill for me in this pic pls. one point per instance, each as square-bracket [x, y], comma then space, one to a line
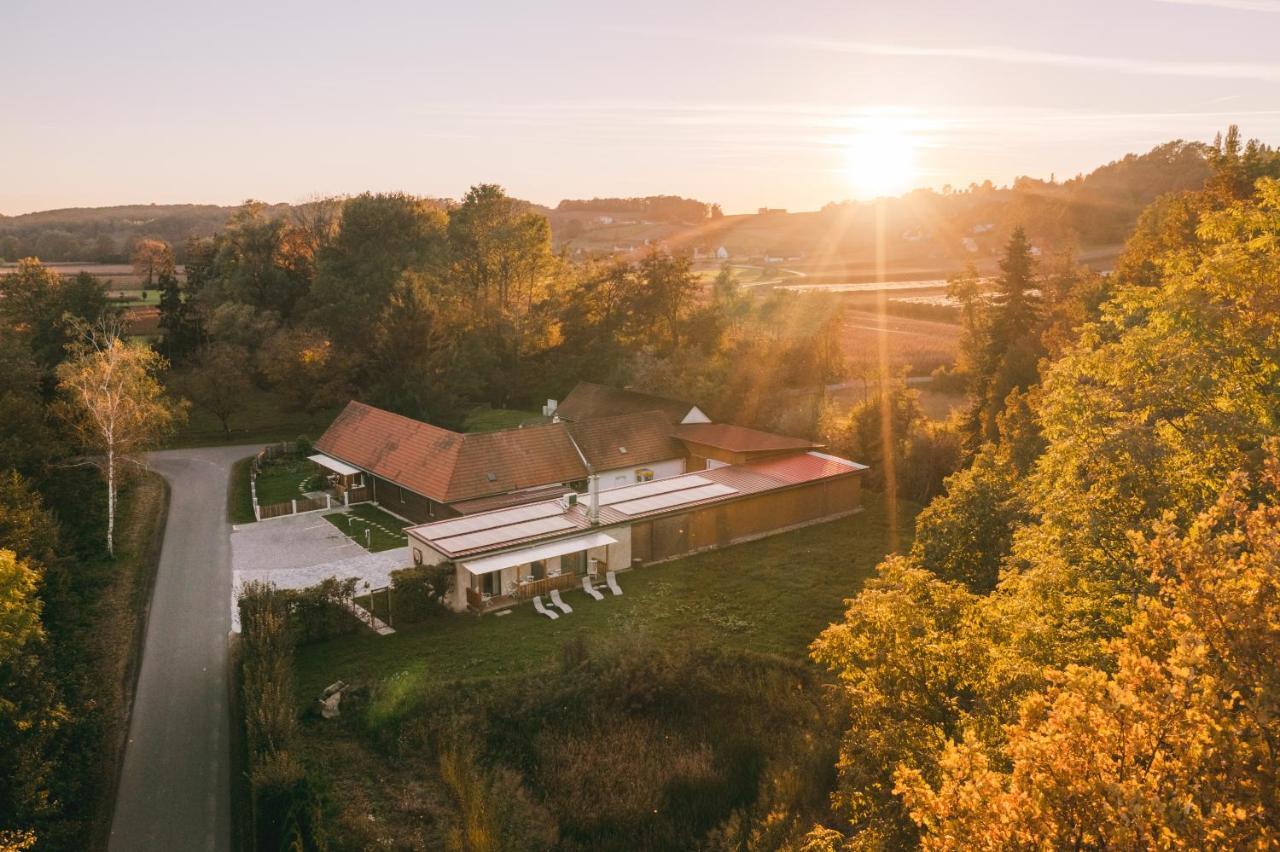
[924, 230]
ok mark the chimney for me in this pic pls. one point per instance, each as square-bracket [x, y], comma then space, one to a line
[549, 409]
[593, 499]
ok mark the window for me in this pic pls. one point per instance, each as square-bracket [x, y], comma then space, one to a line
[401, 493]
[538, 568]
[417, 556]
[644, 474]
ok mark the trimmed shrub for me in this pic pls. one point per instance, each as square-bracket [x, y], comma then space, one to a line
[420, 592]
[320, 612]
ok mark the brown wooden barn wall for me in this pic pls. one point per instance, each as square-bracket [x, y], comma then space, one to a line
[413, 506]
[725, 523]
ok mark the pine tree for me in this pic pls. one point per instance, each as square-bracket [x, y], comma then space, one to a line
[1013, 347]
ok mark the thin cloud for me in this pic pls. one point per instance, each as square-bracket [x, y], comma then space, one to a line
[1019, 56]
[1272, 6]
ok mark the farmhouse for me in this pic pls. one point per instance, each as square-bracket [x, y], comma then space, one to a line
[502, 557]
[615, 478]
[422, 472]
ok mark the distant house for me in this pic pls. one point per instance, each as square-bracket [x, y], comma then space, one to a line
[617, 478]
[722, 253]
[969, 243]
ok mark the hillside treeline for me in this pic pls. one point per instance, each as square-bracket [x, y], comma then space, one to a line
[1081, 648]
[432, 311]
[68, 607]
[656, 208]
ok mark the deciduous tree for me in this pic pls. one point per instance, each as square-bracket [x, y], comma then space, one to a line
[115, 405]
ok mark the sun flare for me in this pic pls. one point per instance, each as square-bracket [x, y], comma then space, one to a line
[880, 160]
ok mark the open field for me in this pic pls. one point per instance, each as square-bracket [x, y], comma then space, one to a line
[917, 344]
[771, 596]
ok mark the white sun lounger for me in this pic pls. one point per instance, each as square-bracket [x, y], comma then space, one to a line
[542, 610]
[612, 580]
[590, 589]
[558, 601]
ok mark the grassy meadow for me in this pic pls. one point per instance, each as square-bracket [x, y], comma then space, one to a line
[704, 658]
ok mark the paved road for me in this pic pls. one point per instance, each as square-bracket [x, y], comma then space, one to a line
[175, 789]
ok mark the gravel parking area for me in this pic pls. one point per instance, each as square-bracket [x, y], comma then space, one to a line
[298, 551]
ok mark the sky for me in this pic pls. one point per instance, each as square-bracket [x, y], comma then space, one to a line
[746, 104]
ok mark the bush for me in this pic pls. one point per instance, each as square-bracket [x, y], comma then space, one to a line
[420, 592]
[303, 446]
[320, 611]
[287, 813]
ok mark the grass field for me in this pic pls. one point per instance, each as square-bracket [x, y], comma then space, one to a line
[492, 419]
[114, 630]
[773, 596]
[383, 528]
[279, 479]
[239, 498]
[263, 419]
[919, 345]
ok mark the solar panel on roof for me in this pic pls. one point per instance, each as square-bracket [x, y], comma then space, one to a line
[499, 535]
[674, 498]
[488, 520]
[660, 486]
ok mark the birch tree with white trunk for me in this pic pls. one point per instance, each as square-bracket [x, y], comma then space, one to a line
[115, 404]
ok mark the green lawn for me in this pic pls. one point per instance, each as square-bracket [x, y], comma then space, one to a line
[384, 529]
[773, 596]
[264, 419]
[492, 419]
[279, 479]
[239, 499]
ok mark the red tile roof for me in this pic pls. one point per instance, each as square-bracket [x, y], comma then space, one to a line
[587, 401]
[739, 439]
[447, 466]
[626, 440]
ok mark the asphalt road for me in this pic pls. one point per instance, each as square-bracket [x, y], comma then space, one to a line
[175, 788]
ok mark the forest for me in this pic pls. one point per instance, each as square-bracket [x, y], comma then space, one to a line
[1075, 649]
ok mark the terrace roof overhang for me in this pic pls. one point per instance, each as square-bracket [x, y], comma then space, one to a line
[523, 556]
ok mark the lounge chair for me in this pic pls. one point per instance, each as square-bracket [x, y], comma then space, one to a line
[558, 601]
[611, 579]
[542, 610]
[590, 589]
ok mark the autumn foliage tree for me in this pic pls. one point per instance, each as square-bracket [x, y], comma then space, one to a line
[115, 405]
[1175, 749]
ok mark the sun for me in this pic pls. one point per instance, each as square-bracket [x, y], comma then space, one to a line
[880, 160]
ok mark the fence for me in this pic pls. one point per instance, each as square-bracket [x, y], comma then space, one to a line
[288, 507]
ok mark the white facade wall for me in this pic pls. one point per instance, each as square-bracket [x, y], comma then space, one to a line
[627, 475]
[615, 557]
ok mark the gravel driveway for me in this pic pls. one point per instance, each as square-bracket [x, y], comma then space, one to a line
[298, 551]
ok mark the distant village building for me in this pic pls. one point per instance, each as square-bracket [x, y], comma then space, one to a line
[772, 211]
[722, 253]
[605, 220]
[984, 228]
[969, 243]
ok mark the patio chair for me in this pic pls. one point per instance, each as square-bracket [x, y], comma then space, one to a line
[611, 579]
[558, 601]
[590, 589]
[542, 610]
